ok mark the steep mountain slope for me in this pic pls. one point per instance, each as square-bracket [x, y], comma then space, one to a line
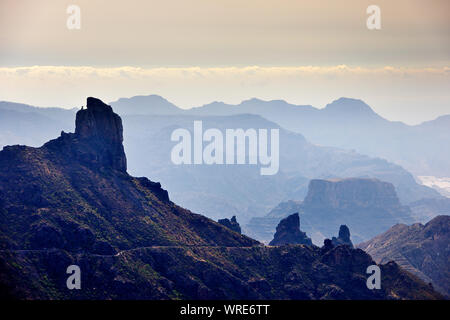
[231, 224]
[366, 206]
[343, 237]
[426, 209]
[421, 249]
[145, 105]
[72, 202]
[23, 124]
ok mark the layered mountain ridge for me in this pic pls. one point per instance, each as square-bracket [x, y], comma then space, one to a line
[71, 201]
[85, 172]
[422, 249]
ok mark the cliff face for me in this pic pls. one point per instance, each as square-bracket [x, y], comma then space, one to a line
[366, 206]
[72, 202]
[288, 232]
[231, 224]
[420, 249]
[351, 193]
[99, 127]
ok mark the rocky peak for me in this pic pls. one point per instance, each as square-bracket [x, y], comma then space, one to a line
[344, 107]
[351, 193]
[343, 237]
[231, 224]
[327, 245]
[288, 232]
[100, 128]
[417, 248]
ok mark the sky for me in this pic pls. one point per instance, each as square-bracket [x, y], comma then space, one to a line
[193, 52]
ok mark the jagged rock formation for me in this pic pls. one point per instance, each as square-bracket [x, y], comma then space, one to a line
[343, 237]
[237, 190]
[99, 127]
[327, 245]
[97, 141]
[420, 249]
[350, 193]
[72, 202]
[288, 232]
[231, 224]
[366, 206]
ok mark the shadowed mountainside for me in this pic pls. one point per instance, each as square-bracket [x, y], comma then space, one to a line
[366, 206]
[288, 232]
[216, 190]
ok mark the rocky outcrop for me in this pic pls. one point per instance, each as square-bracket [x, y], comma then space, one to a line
[343, 237]
[426, 209]
[367, 206]
[350, 193]
[72, 202]
[420, 249]
[288, 232]
[231, 224]
[74, 194]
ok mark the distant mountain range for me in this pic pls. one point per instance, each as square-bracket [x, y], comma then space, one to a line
[72, 201]
[420, 249]
[344, 123]
[215, 191]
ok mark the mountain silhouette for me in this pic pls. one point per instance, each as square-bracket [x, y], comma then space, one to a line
[71, 202]
[234, 190]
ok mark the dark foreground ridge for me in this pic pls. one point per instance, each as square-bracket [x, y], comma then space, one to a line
[288, 232]
[420, 249]
[71, 201]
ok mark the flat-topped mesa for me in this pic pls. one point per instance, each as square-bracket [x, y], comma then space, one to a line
[100, 128]
[350, 193]
[288, 232]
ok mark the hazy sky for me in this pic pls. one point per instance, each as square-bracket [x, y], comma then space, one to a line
[196, 51]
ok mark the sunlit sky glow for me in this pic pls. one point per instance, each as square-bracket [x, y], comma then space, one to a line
[193, 52]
